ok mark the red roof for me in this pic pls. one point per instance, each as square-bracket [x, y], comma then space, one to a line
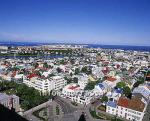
[106, 70]
[31, 75]
[73, 87]
[124, 102]
[112, 79]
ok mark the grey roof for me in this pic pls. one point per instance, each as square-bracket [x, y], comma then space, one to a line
[3, 96]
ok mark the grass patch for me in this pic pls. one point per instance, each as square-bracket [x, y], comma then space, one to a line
[102, 108]
[104, 116]
[9, 91]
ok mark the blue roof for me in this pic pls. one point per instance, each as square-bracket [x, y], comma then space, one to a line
[118, 90]
[101, 86]
[111, 104]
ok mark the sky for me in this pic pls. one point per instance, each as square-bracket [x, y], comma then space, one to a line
[110, 22]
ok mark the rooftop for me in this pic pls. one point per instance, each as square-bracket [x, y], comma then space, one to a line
[3, 96]
[124, 102]
[112, 79]
[111, 104]
[136, 104]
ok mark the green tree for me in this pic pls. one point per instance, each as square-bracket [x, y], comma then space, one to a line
[45, 65]
[91, 85]
[126, 91]
[86, 70]
[75, 80]
[104, 99]
[62, 62]
[77, 71]
[121, 84]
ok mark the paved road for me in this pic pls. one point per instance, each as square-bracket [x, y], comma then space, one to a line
[31, 117]
[68, 112]
[50, 111]
[66, 108]
[71, 113]
[69, 117]
[147, 113]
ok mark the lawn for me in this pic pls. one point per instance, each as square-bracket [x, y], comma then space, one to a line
[102, 108]
[104, 116]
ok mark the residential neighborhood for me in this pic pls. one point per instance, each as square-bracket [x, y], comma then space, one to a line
[119, 80]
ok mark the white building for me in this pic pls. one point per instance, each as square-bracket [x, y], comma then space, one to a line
[144, 90]
[83, 97]
[45, 85]
[76, 94]
[10, 101]
[70, 90]
[83, 81]
[106, 86]
[111, 107]
[97, 72]
[130, 109]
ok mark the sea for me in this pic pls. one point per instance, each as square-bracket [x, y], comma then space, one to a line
[122, 47]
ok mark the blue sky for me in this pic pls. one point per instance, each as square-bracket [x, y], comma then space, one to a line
[123, 22]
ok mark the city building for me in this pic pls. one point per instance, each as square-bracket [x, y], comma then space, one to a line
[10, 101]
[45, 85]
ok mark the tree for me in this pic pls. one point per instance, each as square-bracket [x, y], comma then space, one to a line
[62, 62]
[86, 70]
[71, 74]
[104, 99]
[126, 91]
[91, 85]
[121, 84]
[140, 81]
[77, 71]
[59, 70]
[45, 65]
[75, 80]
[69, 80]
